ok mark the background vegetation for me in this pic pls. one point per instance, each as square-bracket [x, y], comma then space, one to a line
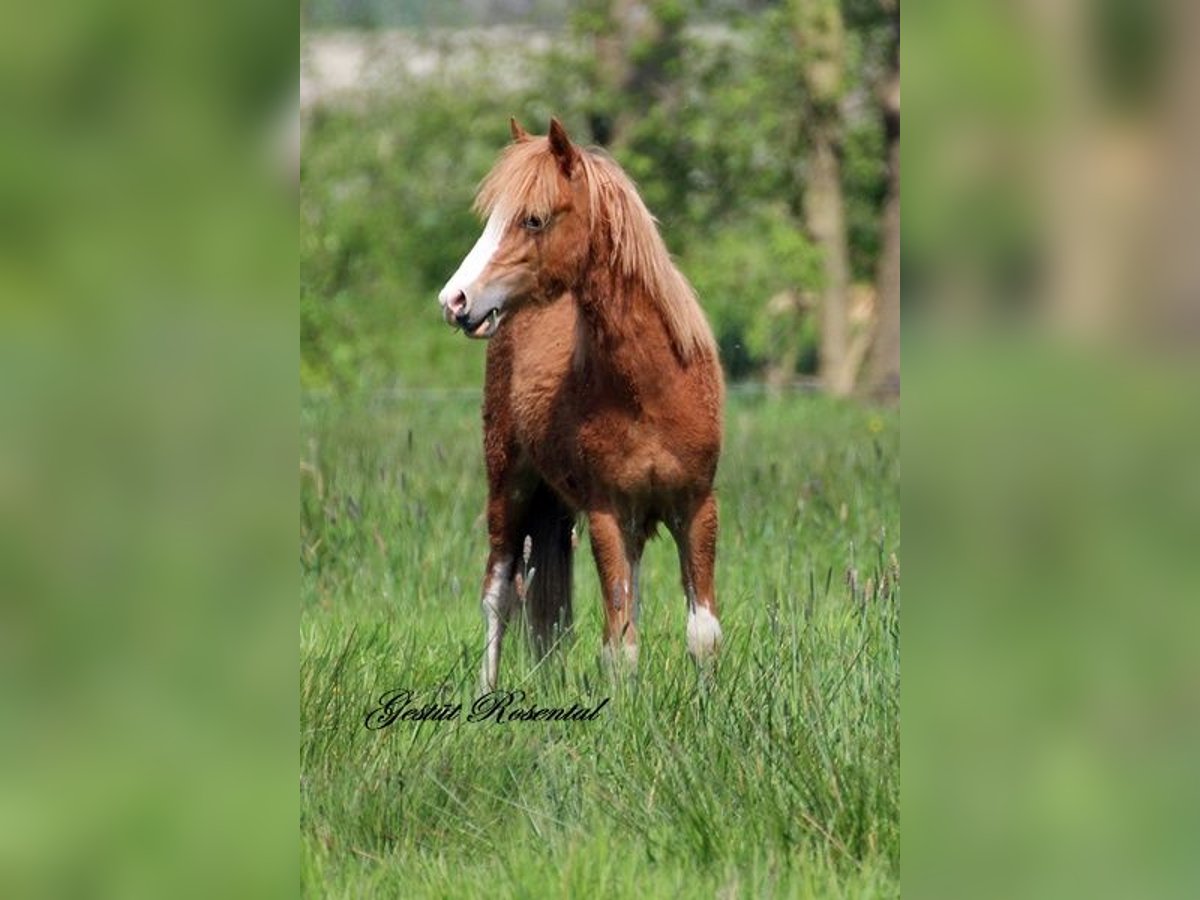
[712, 109]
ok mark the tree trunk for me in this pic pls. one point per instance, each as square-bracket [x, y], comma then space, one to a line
[884, 379]
[627, 24]
[824, 211]
[819, 38]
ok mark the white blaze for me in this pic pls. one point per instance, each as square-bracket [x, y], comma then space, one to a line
[472, 267]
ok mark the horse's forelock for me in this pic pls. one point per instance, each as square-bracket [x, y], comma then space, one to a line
[523, 182]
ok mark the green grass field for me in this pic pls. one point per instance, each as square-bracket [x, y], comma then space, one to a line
[775, 775]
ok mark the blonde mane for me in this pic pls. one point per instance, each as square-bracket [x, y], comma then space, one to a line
[525, 182]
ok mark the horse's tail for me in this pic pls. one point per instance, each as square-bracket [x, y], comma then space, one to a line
[546, 567]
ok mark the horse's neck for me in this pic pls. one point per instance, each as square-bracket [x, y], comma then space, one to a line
[622, 338]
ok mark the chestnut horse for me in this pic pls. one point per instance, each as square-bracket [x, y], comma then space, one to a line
[603, 394]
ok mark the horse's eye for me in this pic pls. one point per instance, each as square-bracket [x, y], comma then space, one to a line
[533, 223]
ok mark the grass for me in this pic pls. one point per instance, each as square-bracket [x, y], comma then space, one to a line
[775, 775]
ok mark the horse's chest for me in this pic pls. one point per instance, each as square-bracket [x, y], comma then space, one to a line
[538, 405]
[584, 441]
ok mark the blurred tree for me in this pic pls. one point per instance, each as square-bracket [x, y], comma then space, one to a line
[819, 36]
[635, 45]
[883, 378]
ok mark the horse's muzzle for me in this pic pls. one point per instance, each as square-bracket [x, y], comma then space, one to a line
[478, 318]
[480, 329]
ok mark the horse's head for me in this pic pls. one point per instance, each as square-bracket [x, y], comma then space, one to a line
[535, 243]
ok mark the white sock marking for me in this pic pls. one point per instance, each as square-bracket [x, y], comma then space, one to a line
[703, 633]
[620, 655]
[494, 601]
[496, 604]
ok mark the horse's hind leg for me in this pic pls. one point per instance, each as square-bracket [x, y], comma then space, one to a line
[696, 537]
[615, 565]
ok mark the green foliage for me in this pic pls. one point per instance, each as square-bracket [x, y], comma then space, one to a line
[864, 178]
[759, 257]
[714, 139]
[778, 776]
[385, 217]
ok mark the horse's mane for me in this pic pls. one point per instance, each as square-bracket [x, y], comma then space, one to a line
[525, 182]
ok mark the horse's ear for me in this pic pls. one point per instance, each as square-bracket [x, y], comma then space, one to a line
[562, 148]
[519, 134]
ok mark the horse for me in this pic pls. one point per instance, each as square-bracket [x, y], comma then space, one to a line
[602, 396]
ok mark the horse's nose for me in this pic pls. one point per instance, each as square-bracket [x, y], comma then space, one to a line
[456, 307]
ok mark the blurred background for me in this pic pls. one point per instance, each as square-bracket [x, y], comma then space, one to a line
[149, 354]
[1051, 485]
[763, 135]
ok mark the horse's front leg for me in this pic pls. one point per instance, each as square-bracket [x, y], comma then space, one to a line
[616, 566]
[505, 502]
[696, 537]
[499, 598]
